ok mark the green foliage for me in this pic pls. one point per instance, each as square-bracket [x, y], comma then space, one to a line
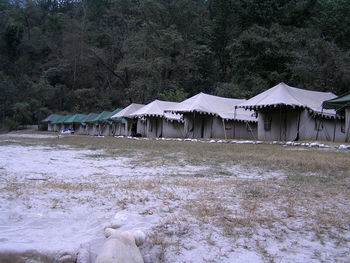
[12, 36]
[22, 113]
[260, 58]
[94, 55]
[174, 95]
[333, 20]
[319, 64]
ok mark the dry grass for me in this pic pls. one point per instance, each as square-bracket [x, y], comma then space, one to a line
[267, 156]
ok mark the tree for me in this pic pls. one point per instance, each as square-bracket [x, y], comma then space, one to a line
[260, 58]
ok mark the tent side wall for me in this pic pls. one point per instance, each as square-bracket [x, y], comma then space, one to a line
[197, 125]
[234, 129]
[118, 129]
[309, 125]
[92, 129]
[278, 124]
[173, 129]
[283, 125]
[104, 129]
[80, 129]
[154, 127]
[50, 127]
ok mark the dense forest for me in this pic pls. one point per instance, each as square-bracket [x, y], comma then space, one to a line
[93, 55]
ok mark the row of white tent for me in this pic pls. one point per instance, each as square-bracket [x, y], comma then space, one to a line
[201, 116]
[280, 113]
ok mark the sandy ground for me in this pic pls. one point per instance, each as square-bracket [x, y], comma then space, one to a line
[55, 200]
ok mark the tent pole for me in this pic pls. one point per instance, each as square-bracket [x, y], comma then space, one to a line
[223, 125]
[318, 127]
[335, 125]
[298, 128]
[280, 123]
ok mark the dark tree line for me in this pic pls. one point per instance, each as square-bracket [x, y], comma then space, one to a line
[94, 55]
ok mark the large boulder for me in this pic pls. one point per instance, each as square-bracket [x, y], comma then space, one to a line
[120, 247]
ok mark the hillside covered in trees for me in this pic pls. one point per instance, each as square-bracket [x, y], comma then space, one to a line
[94, 55]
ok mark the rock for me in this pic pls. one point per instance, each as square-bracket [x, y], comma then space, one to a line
[313, 144]
[120, 247]
[140, 237]
[342, 146]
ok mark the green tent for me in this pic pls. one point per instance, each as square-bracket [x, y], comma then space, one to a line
[74, 119]
[102, 117]
[110, 120]
[51, 118]
[61, 119]
[341, 104]
[337, 103]
[88, 118]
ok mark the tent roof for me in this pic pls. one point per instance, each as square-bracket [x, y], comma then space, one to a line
[74, 118]
[103, 116]
[215, 105]
[61, 119]
[337, 103]
[282, 94]
[79, 117]
[156, 109]
[51, 118]
[89, 117]
[115, 119]
[126, 112]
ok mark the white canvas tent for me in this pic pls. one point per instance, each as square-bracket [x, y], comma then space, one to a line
[158, 123]
[288, 113]
[209, 116]
[133, 125]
